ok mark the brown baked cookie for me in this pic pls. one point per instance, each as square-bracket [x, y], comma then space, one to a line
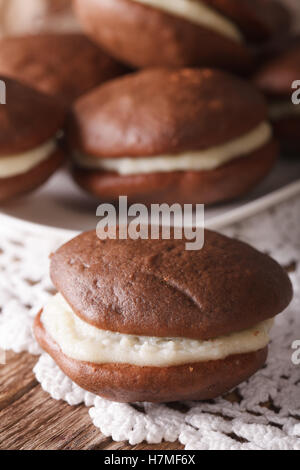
[61, 65]
[29, 152]
[233, 179]
[182, 135]
[146, 320]
[181, 33]
[259, 20]
[276, 78]
[277, 46]
[143, 36]
[127, 383]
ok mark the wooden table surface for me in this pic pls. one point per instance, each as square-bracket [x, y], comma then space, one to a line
[32, 420]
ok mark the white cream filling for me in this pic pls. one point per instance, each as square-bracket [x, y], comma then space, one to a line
[83, 342]
[282, 109]
[197, 12]
[200, 160]
[21, 163]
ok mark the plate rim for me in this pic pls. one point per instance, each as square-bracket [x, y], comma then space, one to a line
[217, 222]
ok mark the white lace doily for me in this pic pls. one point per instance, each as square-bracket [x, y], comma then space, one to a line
[263, 413]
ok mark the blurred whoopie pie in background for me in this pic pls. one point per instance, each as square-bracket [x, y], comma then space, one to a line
[62, 65]
[181, 135]
[182, 33]
[29, 153]
[275, 78]
[147, 320]
[277, 46]
[36, 16]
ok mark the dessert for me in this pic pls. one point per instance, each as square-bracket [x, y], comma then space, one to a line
[181, 33]
[30, 124]
[160, 135]
[277, 78]
[62, 65]
[146, 320]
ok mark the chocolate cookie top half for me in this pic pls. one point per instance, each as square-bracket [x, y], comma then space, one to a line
[157, 288]
[63, 65]
[276, 76]
[160, 111]
[257, 19]
[28, 119]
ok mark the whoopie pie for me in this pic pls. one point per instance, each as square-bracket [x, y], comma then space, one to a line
[181, 33]
[161, 135]
[61, 65]
[146, 320]
[30, 122]
[275, 79]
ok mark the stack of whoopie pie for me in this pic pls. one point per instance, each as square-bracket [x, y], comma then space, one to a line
[175, 134]
[60, 67]
[170, 134]
[146, 320]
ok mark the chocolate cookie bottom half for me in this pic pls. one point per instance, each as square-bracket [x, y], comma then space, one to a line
[130, 383]
[229, 181]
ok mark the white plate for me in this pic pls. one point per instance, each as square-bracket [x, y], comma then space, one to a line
[61, 207]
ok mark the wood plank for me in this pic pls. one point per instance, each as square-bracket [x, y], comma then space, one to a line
[38, 423]
[16, 377]
[32, 420]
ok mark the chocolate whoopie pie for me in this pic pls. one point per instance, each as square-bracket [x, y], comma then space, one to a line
[62, 65]
[146, 320]
[181, 33]
[29, 153]
[275, 79]
[160, 135]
